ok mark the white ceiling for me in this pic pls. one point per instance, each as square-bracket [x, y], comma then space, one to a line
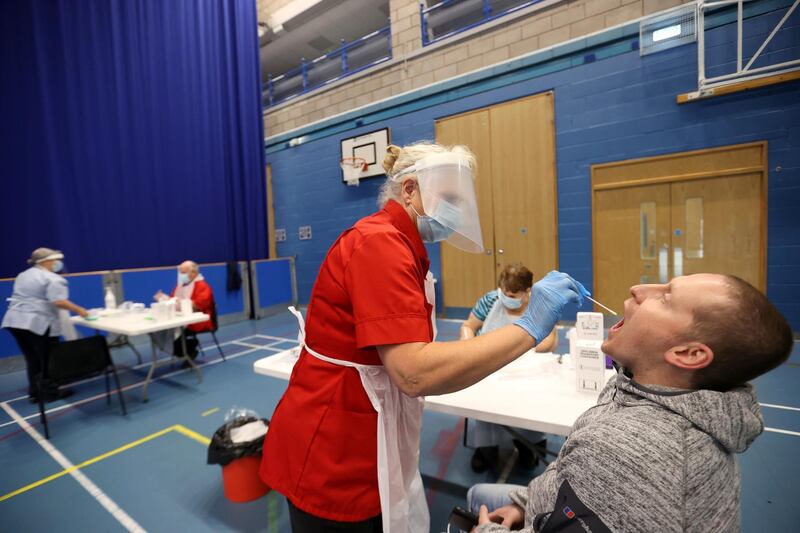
[319, 30]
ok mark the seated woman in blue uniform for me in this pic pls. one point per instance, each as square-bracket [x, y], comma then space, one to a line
[495, 309]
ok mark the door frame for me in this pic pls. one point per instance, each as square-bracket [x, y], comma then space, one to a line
[747, 158]
[272, 247]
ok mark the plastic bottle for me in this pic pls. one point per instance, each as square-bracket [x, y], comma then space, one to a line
[111, 301]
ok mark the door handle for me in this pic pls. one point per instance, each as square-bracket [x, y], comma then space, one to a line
[663, 267]
[500, 251]
[677, 261]
[489, 251]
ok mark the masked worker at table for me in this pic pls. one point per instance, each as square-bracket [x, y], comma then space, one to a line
[495, 309]
[33, 315]
[191, 286]
[343, 443]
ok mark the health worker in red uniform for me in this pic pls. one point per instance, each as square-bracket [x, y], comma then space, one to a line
[343, 444]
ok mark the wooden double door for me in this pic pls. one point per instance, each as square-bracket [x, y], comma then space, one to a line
[680, 214]
[514, 143]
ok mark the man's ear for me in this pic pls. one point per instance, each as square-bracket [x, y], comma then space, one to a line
[691, 356]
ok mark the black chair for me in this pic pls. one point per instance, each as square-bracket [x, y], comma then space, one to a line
[213, 331]
[75, 360]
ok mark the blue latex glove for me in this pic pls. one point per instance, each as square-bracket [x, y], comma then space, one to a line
[548, 298]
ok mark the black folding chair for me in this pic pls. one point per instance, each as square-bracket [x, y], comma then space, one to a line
[75, 360]
[213, 331]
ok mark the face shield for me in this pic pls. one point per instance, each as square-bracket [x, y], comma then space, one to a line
[448, 197]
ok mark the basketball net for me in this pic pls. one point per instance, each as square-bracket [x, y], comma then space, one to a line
[352, 169]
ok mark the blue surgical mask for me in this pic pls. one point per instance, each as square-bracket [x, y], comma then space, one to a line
[438, 227]
[58, 266]
[183, 279]
[509, 302]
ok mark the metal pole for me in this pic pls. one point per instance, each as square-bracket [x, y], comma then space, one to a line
[344, 55]
[771, 35]
[768, 68]
[713, 82]
[304, 70]
[487, 8]
[270, 90]
[739, 36]
[701, 45]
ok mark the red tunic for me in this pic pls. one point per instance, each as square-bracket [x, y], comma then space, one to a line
[203, 301]
[320, 451]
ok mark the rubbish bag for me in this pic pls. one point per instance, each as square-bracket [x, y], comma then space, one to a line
[242, 435]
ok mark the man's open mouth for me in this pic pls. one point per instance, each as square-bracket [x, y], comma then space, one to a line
[617, 326]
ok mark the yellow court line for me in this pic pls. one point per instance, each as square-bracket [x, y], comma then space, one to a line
[210, 411]
[177, 427]
[191, 434]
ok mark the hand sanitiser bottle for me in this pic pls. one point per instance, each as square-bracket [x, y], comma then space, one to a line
[111, 301]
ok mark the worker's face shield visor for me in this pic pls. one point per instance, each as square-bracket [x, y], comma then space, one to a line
[447, 187]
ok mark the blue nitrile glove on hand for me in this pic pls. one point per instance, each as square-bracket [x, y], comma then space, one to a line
[548, 298]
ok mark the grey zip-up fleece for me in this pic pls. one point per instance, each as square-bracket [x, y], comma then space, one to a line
[647, 458]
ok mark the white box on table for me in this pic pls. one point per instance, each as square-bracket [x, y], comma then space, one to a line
[590, 361]
[589, 326]
[590, 365]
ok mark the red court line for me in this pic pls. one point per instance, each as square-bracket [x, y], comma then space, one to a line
[20, 431]
[444, 448]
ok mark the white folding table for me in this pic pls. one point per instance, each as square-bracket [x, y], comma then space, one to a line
[142, 323]
[536, 392]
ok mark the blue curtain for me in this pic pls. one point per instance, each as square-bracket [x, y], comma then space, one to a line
[130, 132]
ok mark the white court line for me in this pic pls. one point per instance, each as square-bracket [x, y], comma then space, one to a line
[272, 345]
[137, 384]
[282, 339]
[784, 431]
[247, 344]
[93, 490]
[775, 406]
[144, 365]
[18, 398]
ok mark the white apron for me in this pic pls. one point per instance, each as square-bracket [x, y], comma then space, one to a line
[403, 505]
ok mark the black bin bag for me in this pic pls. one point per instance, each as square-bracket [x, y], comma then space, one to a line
[223, 450]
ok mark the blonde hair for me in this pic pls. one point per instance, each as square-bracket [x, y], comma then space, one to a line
[398, 159]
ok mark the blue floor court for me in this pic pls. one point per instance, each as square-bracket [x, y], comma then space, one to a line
[150, 467]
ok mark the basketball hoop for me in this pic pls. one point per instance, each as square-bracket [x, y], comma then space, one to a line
[353, 168]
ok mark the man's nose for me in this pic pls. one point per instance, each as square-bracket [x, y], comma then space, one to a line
[641, 292]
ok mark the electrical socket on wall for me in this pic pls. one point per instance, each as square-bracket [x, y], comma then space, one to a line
[305, 233]
[280, 235]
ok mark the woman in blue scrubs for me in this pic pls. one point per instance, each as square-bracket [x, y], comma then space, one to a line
[32, 316]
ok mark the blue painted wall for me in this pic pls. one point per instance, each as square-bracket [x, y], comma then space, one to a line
[274, 281]
[618, 107]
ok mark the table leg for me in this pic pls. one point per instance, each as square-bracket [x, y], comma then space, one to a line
[150, 372]
[189, 359]
[132, 347]
[122, 340]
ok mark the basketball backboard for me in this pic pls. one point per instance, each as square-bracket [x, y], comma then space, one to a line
[369, 146]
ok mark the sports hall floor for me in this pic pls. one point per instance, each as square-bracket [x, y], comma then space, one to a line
[150, 467]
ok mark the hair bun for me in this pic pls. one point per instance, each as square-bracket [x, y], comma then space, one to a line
[392, 153]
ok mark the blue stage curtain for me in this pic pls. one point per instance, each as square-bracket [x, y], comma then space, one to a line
[130, 132]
